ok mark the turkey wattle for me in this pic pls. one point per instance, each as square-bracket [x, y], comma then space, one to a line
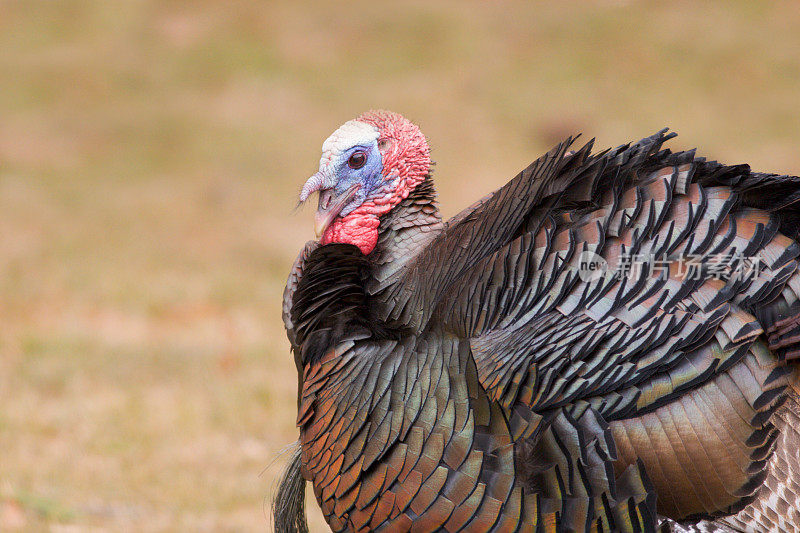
[474, 376]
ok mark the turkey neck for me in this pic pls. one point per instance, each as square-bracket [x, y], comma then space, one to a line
[403, 232]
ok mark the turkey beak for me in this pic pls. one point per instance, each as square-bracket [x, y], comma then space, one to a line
[330, 205]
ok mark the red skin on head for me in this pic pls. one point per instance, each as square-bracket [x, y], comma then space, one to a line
[406, 162]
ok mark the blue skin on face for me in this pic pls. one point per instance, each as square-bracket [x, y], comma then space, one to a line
[370, 176]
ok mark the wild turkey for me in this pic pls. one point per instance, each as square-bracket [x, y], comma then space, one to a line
[474, 376]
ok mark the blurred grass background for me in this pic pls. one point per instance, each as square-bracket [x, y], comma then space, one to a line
[150, 156]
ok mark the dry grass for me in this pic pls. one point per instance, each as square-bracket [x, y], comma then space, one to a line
[150, 153]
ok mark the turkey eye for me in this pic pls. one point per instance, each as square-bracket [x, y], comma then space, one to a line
[357, 160]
